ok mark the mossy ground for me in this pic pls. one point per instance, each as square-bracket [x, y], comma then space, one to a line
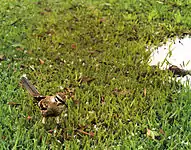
[64, 44]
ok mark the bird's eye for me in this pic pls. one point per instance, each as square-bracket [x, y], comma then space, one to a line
[58, 104]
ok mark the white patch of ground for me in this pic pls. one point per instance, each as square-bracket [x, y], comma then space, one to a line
[174, 52]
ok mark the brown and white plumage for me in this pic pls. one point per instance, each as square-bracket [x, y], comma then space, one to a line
[50, 106]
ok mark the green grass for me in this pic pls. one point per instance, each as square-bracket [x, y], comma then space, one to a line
[104, 40]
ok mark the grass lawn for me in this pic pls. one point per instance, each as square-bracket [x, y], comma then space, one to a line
[98, 49]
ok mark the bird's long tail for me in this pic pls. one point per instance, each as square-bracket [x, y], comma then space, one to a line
[30, 88]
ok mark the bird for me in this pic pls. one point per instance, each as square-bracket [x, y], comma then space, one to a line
[178, 71]
[50, 106]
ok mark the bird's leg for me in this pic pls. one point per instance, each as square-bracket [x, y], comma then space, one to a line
[57, 120]
[43, 120]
